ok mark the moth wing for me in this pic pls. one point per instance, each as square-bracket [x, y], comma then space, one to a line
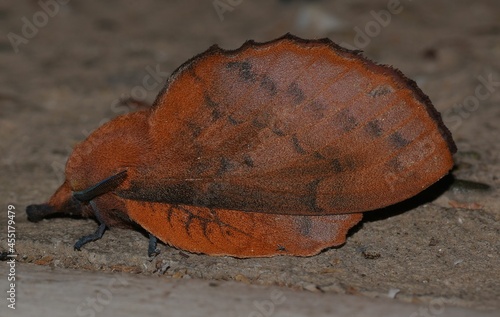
[290, 127]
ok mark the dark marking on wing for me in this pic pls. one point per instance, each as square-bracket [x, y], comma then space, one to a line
[373, 128]
[203, 222]
[248, 161]
[398, 140]
[216, 112]
[194, 75]
[347, 121]
[269, 85]
[336, 166]
[296, 145]
[194, 129]
[244, 70]
[278, 128]
[234, 121]
[204, 228]
[380, 91]
[258, 124]
[187, 224]
[169, 214]
[318, 155]
[310, 199]
[277, 131]
[225, 166]
[296, 93]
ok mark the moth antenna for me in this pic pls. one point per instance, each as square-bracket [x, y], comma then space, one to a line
[100, 188]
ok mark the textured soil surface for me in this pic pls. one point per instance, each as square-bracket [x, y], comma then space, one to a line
[65, 80]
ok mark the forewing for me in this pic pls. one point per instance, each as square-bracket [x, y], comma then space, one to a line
[291, 127]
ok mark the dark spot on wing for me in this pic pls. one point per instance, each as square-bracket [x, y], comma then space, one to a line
[234, 121]
[268, 84]
[278, 128]
[205, 229]
[296, 145]
[346, 120]
[380, 91]
[194, 75]
[225, 166]
[318, 155]
[214, 106]
[336, 166]
[194, 129]
[310, 199]
[398, 140]
[277, 131]
[187, 224]
[244, 70]
[248, 161]
[296, 93]
[373, 128]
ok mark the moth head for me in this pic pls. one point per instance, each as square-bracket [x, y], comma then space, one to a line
[96, 166]
[61, 202]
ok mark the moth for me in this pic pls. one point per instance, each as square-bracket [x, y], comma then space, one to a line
[274, 148]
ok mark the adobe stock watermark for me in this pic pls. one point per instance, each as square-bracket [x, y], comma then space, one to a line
[454, 117]
[31, 27]
[92, 305]
[153, 79]
[11, 255]
[374, 27]
[267, 307]
[223, 6]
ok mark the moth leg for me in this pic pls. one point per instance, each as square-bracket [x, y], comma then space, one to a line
[152, 249]
[97, 234]
[91, 237]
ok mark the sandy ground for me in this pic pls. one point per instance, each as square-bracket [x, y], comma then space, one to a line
[69, 71]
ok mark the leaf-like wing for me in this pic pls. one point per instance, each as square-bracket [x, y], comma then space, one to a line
[290, 127]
